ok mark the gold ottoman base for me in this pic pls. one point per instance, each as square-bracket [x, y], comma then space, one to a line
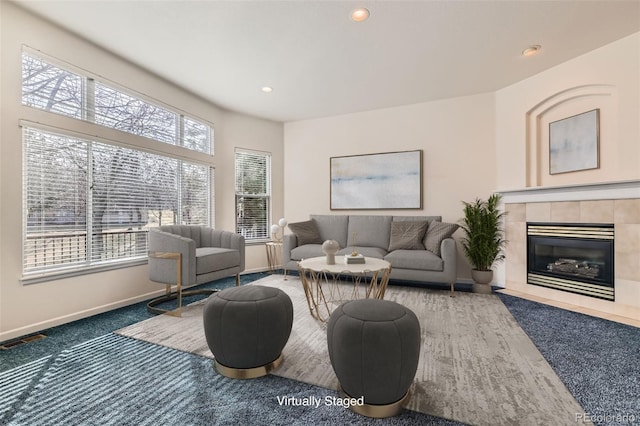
[376, 411]
[248, 373]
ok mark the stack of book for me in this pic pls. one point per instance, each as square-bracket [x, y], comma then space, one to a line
[351, 259]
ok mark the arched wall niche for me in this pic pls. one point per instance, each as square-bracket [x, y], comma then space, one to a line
[565, 104]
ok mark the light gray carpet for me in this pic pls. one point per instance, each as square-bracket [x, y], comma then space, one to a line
[477, 366]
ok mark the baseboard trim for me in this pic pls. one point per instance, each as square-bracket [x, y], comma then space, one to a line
[64, 319]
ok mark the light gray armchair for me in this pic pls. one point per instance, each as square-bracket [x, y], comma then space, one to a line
[187, 255]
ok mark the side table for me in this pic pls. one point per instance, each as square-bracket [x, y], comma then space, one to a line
[274, 255]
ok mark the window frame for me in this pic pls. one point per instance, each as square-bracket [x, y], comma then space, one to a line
[88, 101]
[90, 264]
[266, 196]
[85, 128]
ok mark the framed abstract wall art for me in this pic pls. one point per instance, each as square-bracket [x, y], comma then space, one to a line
[390, 180]
[574, 143]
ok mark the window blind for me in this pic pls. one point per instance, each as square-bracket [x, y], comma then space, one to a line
[253, 193]
[88, 203]
[55, 195]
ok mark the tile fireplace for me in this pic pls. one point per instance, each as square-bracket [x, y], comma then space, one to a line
[616, 203]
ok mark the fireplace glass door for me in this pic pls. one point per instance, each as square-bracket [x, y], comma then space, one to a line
[571, 258]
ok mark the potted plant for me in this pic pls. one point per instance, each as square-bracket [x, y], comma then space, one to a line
[484, 239]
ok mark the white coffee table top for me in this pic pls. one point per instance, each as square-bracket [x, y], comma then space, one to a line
[319, 264]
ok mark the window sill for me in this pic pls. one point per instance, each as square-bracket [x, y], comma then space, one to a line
[40, 277]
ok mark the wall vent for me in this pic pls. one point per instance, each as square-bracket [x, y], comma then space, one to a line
[21, 341]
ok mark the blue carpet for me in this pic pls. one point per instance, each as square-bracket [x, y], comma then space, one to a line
[598, 360]
[73, 333]
[115, 380]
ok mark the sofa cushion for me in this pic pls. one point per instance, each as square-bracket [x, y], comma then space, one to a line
[211, 259]
[332, 227]
[376, 252]
[437, 232]
[417, 218]
[407, 235]
[415, 259]
[306, 232]
[306, 251]
[369, 231]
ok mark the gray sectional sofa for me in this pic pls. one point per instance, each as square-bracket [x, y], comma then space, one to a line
[427, 258]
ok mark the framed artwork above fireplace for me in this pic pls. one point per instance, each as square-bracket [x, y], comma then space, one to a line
[574, 143]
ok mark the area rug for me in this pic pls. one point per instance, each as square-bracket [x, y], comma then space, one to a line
[477, 365]
[114, 380]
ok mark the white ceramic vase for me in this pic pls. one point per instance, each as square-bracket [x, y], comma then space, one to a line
[330, 247]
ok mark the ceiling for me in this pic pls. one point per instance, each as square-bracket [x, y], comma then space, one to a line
[321, 63]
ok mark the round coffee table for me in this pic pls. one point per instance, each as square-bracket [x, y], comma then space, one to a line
[327, 286]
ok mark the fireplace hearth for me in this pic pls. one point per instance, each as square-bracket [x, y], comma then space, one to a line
[577, 258]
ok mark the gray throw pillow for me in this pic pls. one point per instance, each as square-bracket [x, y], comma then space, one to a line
[306, 232]
[437, 232]
[407, 235]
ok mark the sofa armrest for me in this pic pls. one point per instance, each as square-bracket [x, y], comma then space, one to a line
[164, 270]
[289, 242]
[449, 255]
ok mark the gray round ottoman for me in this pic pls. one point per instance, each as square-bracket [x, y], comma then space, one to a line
[246, 329]
[374, 347]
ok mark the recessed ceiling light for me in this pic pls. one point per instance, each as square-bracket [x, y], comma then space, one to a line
[531, 50]
[267, 89]
[360, 14]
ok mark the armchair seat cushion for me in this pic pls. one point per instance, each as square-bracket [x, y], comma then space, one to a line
[415, 259]
[211, 259]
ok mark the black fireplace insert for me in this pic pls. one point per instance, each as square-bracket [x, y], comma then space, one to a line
[577, 258]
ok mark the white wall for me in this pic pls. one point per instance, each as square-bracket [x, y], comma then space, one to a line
[456, 136]
[28, 308]
[607, 78]
[476, 145]
[242, 131]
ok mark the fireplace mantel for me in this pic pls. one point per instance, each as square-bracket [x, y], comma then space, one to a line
[628, 189]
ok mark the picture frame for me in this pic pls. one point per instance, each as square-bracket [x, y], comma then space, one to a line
[574, 143]
[391, 180]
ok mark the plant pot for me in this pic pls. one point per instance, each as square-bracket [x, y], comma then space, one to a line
[481, 281]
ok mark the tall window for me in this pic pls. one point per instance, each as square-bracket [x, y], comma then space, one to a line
[253, 193]
[90, 202]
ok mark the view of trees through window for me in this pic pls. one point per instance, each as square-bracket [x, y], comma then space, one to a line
[46, 86]
[50, 88]
[88, 202]
[124, 112]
